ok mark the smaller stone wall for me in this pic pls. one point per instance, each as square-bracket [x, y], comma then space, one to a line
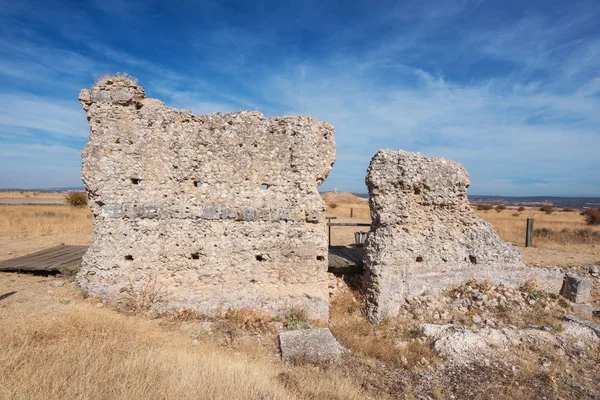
[425, 236]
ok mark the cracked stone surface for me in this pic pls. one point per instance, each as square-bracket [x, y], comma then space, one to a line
[208, 212]
[425, 236]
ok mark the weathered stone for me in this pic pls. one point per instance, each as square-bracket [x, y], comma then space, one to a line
[584, 309]
[578, 289]
[593, 326]
[425, 236]
[208, 212]
[312, 345]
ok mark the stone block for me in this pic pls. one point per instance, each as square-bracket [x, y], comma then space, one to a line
[312, 345]
[578, 289]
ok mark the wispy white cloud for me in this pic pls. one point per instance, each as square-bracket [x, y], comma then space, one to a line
[58, 117]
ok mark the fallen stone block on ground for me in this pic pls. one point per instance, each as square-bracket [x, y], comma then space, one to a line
[312, 345]
[578, 289]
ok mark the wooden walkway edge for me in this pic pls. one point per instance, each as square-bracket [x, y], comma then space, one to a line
[67, 260]
[61, 259]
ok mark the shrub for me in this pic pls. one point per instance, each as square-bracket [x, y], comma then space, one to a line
[484, 207]
[500, 207]
[333, 206]
[567, 209]
[547, 209]
[77, 199]
[592, 216]
[521, 208]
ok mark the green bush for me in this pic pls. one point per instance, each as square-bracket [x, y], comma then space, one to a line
[77, 199]
[521, 208]
[500, 207]
[567, 209]
[592, 216]
[547, 209]
[484, 207]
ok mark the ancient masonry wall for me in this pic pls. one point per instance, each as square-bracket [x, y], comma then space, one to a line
[425, 237]
[206, 212]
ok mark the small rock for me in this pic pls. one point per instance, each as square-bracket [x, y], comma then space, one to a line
[195, 342]
[545, 361]
[490, 323]
[594, 271]
[99, 305]
[403, 360]
[58, 283]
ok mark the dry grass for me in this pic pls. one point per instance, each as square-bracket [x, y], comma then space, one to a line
[28, 228]
[116, 77]
[65, 347]
[38, 195]
[392, 341]
[26, 221]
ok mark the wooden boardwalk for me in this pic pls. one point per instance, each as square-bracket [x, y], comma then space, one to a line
[345, 260]
[60, 259]
[67, 260]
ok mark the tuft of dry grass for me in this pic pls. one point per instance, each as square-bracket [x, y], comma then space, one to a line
[116, 77]
[391, 342]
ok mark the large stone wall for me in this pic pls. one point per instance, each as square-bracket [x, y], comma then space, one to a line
[207, 212]
[425, 237]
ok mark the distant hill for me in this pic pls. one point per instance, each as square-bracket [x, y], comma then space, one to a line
[342, 198]
[529, 201]
[538, 201]
[63, 189]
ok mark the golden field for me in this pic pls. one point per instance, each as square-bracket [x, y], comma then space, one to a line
[58, 345]
[29, 228]
[560, 248]
[40, 195]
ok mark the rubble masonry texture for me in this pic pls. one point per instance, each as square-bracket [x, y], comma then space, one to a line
[216, 211]
[425, 237]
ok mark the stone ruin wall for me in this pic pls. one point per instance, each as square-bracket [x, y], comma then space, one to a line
[206, 212]
[425, 236]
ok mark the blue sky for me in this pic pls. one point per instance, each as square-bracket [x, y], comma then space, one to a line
[510, 89]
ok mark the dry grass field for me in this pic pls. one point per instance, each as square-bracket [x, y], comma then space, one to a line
[40, 195]
[28, 228]
[57, 345]
[561, 239]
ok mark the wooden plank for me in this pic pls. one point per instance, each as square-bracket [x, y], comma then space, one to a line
[344, 260]
[62, 259]
[347, 224]
[37, 256]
